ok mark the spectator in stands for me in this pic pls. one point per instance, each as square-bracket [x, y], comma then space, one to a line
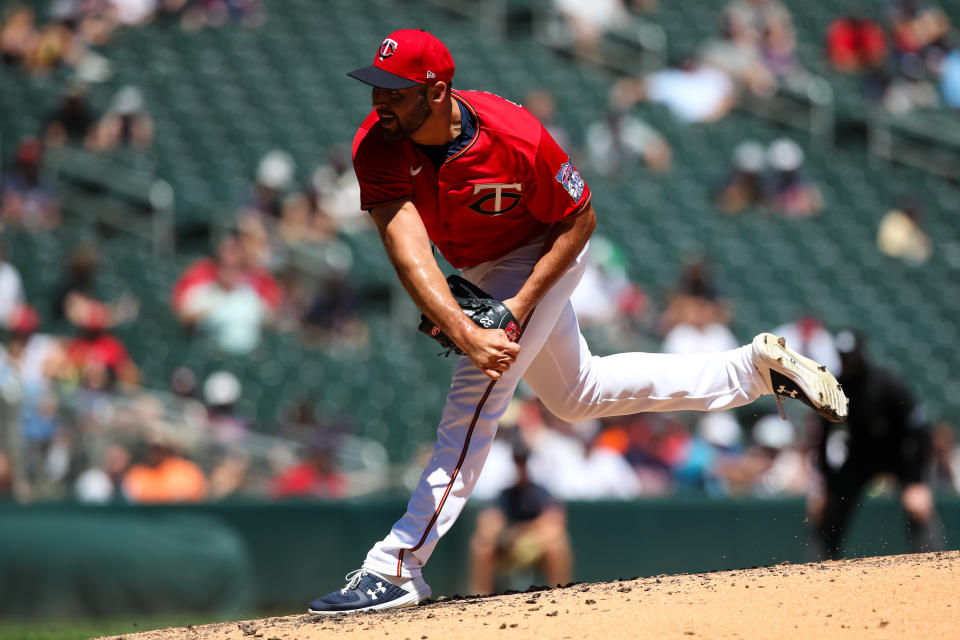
[164, 476]
[71, 123]
[704, 460]
[773, 465]
[950, 79]
[11, 290]
[695, 299]
[792, 194]
[736, 53]
[226, 310]
[745, 187]
[807, 336]
[542, 104]
[335, 191]
[606, 299]
[901, 236]
[887, 431]
[524, 528]
[197, 14]
[77, 298]
[27, 197]
[274, 176]
[693, 92]
[6, 478]
[588, 22]
[18, 34]
[314, 476]
[100, 358]
[231, 249]
[230, 476]
[221, 392]
[920, 30]
[768, 26]
[127, 123]
[855, 44]
[946, 458]
[616, 143]
[103, 482]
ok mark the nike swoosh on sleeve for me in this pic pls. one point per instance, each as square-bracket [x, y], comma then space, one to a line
[414, 172]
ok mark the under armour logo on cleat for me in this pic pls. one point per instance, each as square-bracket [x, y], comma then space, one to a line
[783, 391]
[373, 592]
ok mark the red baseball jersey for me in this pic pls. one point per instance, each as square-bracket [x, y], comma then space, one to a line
[503, 189]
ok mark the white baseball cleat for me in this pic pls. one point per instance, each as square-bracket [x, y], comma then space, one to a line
[789, 374]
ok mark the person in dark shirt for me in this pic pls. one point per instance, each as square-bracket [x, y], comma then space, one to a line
[524, 527]
[887, 432]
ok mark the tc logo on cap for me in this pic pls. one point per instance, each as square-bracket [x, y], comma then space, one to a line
[387, 48]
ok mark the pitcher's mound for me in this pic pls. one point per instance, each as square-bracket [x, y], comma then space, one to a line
[910, 596]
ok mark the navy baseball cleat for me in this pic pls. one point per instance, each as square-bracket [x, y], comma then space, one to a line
[789, 374]
[367, 591]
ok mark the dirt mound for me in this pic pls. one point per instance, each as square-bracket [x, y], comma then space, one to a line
[910, 596]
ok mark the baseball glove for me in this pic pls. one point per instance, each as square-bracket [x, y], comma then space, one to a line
[479, 307]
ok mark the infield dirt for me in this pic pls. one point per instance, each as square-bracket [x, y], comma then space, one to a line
[909, 596]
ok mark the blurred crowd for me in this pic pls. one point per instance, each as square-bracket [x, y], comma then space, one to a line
[285, 259]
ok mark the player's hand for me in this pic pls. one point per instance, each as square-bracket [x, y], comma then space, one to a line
[490, 351]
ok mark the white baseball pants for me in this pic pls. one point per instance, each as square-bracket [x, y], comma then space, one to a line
[556, 363]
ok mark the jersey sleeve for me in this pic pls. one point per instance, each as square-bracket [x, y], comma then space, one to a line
[558, 189]
[381, 169]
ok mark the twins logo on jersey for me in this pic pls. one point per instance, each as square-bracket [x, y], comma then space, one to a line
[387, 48]
[570, 179]
[495, 202]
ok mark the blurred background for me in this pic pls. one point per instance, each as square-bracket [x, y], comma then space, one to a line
[212, 393]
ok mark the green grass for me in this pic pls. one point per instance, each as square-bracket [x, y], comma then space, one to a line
[95, 628]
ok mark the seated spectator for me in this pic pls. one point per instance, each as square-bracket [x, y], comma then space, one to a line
[335, 191]
[221, 392]
[103, 482]
[950, 79]
[164, 477]
[792, 194]
[810, 338]
[737, 53]
[855, 44]
[901, 236]
[605, 298]
[127, 123]
[588, 22]
[314, 476]
[71, 123]
[920, 30]
[226, 310]
[7, 483]
[274, 176]
[946, 458]
[768, 25]
[230, 476]
[524, 528]
[95, 352]
[615, 143]
[11, 290]
[695, 300]
[773, 465]
[27, 197]
[745, 188]
[77, 296]
[543, 106]
[18, 34]
[197, 14]
[691, 91]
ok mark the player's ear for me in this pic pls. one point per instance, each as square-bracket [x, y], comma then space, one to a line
[438, 92]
